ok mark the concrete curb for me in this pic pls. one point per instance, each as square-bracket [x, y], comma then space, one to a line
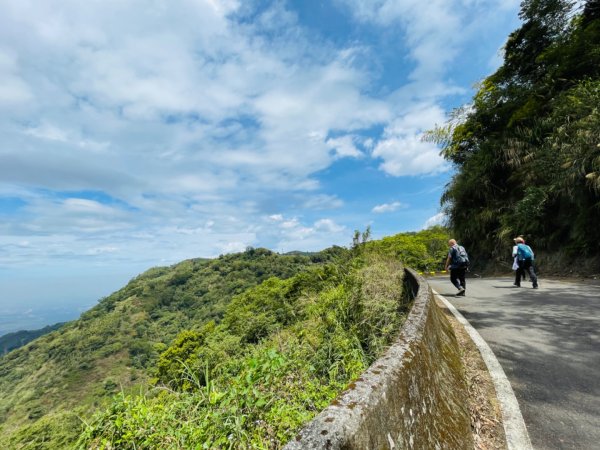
[413, 397]
[517, 437]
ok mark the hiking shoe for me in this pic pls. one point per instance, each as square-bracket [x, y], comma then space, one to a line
[461, 293]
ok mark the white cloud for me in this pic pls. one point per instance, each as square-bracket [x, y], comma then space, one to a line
[322, 202]
[329, 226]
[409, 156]
[435, 30]
[48, 132]
[432, 29]
[438, 219]
[13, 89]
[344, 147]
[293, 233]
[137, 133]
[102, 250]
[293, 224]
[435, 34]
[422, 117]
[77, 216]
[233, 247]
[162, 104]
[402, 149]
[387, 207]
[51, 133]
[85, 206]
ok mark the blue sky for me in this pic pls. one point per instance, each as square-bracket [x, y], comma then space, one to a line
[141, 133]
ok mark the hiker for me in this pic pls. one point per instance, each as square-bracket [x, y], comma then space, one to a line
[515, 265]
[458, 261]
[525, 258]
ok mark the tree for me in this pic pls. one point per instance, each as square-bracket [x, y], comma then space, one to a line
[591, 12]
[544, 22]
[526, 150]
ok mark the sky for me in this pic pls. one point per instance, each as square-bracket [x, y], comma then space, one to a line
[137, 133]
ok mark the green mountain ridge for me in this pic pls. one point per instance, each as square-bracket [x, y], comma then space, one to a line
[16, 339]
[110, 347]
[135, 340]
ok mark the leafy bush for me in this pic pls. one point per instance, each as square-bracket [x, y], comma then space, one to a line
[243, 348]
[425, 250]
[121, 337]
[296, 344]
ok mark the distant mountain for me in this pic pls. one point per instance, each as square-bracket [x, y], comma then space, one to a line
[12, 341]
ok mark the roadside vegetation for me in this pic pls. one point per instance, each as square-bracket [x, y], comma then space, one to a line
[237, 351]
[114, 347]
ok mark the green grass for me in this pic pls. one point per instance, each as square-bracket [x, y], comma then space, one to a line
[238, 351]
[299, 343]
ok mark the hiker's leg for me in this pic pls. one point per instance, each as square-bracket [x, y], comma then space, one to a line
[461, 277]
[519, 273]
[454, 278]
[532, 274]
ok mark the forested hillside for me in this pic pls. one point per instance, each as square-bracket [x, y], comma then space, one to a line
[247, 347]
[116, 344]
[527, 150]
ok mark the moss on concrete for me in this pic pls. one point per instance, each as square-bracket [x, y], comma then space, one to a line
[415, 396]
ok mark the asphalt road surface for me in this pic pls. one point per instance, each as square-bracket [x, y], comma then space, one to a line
[548, 343]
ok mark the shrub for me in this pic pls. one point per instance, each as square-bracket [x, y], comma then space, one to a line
[284, 350]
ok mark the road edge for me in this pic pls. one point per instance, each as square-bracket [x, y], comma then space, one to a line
[517, 437]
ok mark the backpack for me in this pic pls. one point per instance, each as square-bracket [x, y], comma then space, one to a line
[524, 252]
[460, 259]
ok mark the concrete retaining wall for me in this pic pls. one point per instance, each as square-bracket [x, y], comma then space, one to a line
[414, 397]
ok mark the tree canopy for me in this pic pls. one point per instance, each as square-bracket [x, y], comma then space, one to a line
[527, 150]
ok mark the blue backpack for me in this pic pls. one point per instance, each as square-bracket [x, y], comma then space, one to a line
[524, 252]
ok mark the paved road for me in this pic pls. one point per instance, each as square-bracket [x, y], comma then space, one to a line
[548, 343]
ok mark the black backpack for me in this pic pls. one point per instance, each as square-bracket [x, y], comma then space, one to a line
[461, 258]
